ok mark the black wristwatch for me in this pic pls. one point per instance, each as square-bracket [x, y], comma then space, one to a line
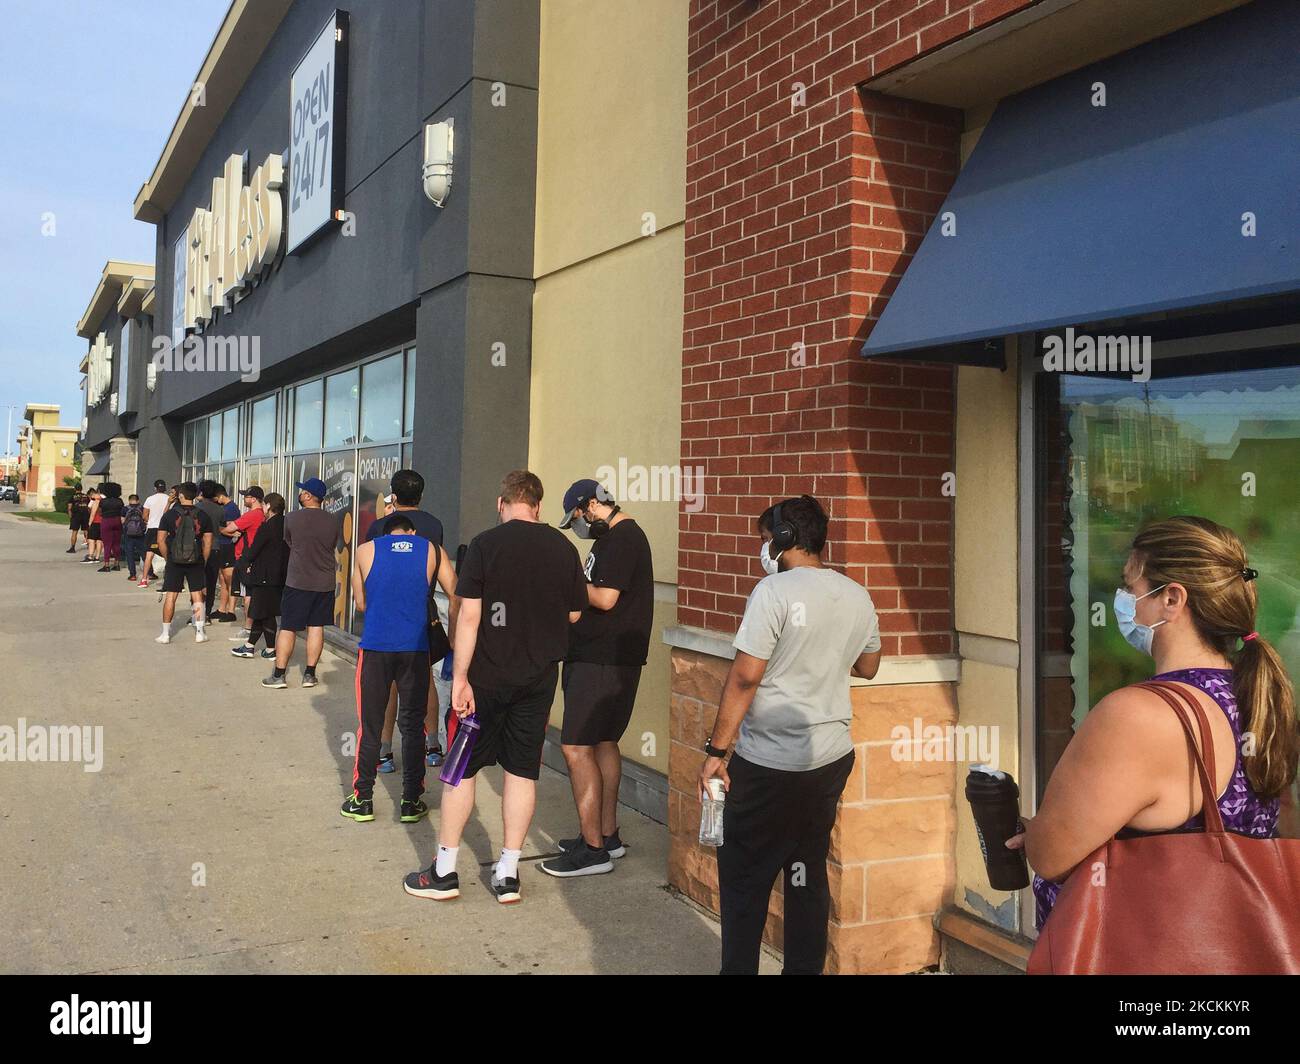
[712, 750]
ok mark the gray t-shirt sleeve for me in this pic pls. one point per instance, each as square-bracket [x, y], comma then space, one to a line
[761, 626]
[873, 630]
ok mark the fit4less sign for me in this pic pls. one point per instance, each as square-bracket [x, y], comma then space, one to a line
[229, 244]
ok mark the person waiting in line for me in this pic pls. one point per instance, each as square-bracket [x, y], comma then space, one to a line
[155, 506]
[785, 704]
[216, 514]
[265, 563]
[185, 543]
[243, 529]
[111, 508]
[607, 650]
[307, 604]
[134, 529]
[391, 581]
[1188, 601]
[78, 518]
[519, 589]
[226, 540]
[407, 491]
[94, 544]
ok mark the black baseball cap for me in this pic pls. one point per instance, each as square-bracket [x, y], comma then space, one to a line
[579, 494]
[253, 493]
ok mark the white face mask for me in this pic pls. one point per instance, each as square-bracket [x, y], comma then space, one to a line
[1139, 636]
[770, 564]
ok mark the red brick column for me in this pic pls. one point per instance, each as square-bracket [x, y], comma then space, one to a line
[806, 198]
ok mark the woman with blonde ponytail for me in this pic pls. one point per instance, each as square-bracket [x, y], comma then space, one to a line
[1188, 600]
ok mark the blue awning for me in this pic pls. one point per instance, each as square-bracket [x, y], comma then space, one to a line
[1068, 213]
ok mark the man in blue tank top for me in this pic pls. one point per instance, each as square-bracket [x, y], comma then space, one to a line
[391, 582]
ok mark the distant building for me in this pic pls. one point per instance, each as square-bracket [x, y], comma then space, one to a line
[45, 456]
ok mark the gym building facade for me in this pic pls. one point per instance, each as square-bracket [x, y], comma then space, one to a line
[415, 234]
[997, 281]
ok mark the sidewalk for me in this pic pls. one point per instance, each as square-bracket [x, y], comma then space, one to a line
[211, 840]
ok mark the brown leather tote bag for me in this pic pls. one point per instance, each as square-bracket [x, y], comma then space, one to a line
[1198, 903]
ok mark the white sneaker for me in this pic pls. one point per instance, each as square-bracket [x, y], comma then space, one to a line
[163, 638]
[200, 636]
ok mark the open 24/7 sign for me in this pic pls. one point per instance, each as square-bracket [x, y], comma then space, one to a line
[318, 106]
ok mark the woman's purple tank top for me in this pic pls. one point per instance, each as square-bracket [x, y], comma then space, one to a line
[1243, 811]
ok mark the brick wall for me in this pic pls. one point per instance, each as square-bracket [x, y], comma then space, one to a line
[806, 197]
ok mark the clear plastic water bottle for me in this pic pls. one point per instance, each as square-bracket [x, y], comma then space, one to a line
[711, 813]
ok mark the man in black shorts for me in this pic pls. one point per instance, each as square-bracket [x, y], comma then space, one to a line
[519, 589]
[78, 517]
[185, 543]
[607, 651]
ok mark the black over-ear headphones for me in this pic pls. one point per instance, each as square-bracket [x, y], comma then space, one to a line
[784, 534]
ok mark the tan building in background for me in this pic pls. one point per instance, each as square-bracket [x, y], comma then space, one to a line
[607, 309]
[46, 454]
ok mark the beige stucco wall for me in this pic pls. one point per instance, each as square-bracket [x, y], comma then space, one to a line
[985, 589]
[607, 310]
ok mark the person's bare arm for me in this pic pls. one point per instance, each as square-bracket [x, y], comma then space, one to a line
[462, 695]
[867, 665]
[446, 577]
[743, 678]
[162, 544]
[1110, 771]
[360, 570]
[603, 598]
[207, 546]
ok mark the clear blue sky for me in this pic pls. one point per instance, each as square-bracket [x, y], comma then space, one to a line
[88, 94]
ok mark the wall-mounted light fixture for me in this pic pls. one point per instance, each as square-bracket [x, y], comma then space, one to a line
[439, 149]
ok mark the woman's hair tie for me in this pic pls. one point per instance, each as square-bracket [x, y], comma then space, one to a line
[1248, 575]
[1249, 637]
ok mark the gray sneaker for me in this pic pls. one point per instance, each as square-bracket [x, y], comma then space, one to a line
[309, 679]
[275, 681]
[579, 862]
[613, 844]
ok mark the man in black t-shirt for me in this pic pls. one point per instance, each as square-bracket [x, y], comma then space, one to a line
[195, 539]
[78, 517]
[519, 589]
[602, 670]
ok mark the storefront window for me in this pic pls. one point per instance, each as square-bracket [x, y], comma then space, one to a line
[187, 447]
[214, 437]
[230, 433]
[338, 470]
[199, 433]
[302, 467]
[259, 472]
[408, 410]
[381, 400]
[261, 439]
[341, 395]
[1117, 454]
[308, 402]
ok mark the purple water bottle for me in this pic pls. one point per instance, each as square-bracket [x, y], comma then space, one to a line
[453, 768]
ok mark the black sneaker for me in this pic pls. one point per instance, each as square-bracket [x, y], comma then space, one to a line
[579, 862]
[268, 654]
[428, 884]
[414, 811]
[613, 844]
[506, 890]
[244, 652]
[71, 550]
[358, 808]
[309, 679]
[223, 617]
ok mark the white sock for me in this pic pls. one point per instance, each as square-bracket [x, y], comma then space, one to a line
[166, 630]
[199, 619]
[445, 864]
[508, 865]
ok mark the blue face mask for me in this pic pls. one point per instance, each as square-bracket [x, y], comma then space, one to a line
[1139, 636]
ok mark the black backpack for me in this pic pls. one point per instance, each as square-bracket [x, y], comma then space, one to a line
[134, 525]
[185, 547]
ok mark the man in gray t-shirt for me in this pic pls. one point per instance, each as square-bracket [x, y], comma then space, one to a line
[806, 629]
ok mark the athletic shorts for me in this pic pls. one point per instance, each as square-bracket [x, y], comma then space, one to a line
[92, 532]
[225, 554]
[175, 577]
[598, 701]
[151, 540]
[305, 609]
[79, 521]
[512, 725]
